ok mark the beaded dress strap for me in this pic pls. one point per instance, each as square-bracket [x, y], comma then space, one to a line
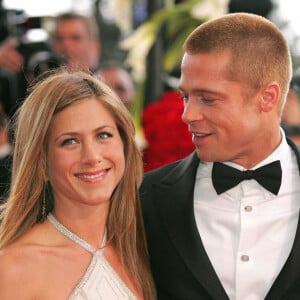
[72, 236]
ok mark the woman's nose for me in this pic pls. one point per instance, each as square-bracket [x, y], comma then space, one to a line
[91, 154]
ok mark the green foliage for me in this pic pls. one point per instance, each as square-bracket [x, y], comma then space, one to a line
[173, 24]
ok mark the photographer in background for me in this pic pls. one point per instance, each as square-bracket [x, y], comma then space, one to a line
[5, 155]
[10, 58]
[119, 78]
[16, 48]
[11, 64]
[76, 40]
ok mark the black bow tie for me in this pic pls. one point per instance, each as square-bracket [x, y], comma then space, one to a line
[225, 177]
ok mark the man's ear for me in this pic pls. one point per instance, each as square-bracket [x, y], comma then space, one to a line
[270, 95]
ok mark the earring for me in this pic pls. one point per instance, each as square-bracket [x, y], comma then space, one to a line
[44, 208]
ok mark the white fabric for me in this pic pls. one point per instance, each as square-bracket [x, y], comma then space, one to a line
[100, 282]
[247, 231]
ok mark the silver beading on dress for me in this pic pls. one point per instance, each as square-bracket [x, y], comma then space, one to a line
[72, 236]
[100, 281]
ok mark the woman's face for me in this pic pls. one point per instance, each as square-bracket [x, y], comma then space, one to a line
[85, 155]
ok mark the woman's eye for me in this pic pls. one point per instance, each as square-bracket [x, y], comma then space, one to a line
[104, 135]
[67, 142]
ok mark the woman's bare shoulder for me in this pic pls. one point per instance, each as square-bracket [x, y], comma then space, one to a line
[16, 265]
[19, 263]
[35, 259]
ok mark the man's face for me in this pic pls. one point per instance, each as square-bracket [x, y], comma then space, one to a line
[74, 43]
[224, 124]
[121, 82]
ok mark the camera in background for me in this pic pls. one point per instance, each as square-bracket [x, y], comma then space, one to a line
[32, 36]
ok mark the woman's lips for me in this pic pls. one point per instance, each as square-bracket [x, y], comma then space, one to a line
[92, 176]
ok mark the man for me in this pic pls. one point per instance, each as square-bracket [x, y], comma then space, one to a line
[207, 241]
[120, 80]
[76, 39]
[11, 64]
[10, 57]
[5, 143]
[5, 154]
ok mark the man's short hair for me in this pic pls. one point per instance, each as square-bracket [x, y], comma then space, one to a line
[259, 51]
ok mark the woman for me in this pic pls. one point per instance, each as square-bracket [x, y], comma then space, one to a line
[72, 227]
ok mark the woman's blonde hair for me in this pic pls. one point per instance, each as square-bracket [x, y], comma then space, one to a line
[26, 203]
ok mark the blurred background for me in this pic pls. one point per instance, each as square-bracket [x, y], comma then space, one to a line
[155, 62]
[145, 37]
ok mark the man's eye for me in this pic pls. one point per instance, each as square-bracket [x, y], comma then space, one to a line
[207, 100]
[76, 38]
[184, 97]
[120, 89]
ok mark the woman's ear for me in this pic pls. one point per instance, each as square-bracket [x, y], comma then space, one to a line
[270, 95]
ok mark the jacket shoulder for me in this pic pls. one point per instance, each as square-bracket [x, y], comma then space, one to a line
[172, 170]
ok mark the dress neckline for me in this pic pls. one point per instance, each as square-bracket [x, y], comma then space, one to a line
[100, 281]
[75, 238]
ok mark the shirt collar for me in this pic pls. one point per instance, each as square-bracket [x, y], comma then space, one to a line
[282, 153]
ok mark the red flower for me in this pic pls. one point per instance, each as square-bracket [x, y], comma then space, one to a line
[167, 136]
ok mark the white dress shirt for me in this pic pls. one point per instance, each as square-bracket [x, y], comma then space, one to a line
[248, 232]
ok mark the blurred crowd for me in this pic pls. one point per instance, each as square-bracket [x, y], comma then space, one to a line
[75, 43]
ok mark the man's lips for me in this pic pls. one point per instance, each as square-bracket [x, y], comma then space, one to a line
[200, 134]
[200, 138]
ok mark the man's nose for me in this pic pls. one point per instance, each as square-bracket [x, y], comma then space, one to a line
[191, 112]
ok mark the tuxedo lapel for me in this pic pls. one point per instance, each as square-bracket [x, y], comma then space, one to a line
[177, 214]
[290, 271]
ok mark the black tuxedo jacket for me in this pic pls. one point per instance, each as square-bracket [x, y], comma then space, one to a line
[180, 265]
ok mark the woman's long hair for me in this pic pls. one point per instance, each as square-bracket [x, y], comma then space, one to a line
[29, 187]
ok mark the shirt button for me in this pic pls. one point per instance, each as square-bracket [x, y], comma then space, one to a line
[245, 258]
[248, 208]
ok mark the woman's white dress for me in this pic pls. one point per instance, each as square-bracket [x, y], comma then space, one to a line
[100, 282]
